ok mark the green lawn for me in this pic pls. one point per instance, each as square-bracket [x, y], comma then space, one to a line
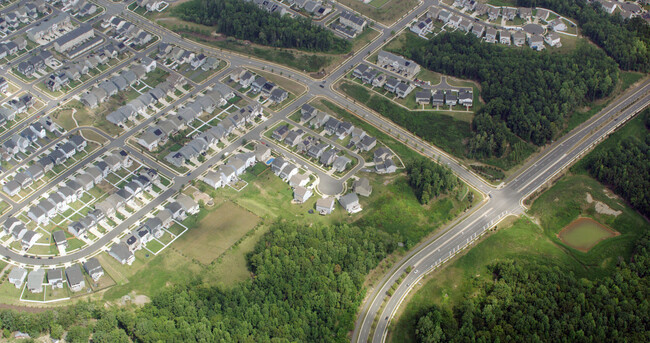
[393, 207]
[213, 231]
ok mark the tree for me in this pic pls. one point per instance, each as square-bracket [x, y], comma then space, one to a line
[56, 331]
[78, 334]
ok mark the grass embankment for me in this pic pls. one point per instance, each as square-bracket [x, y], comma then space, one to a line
[525, 241]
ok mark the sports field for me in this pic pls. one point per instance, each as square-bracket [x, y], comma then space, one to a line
[584, 233]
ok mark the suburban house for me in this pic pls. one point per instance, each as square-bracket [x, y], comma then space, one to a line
[518, 38]
[350, 20]
[213, 179]
[543, 14]
[262, 152]
[536, 42]
[280, 133]
[465, 25]
[75, 278]
[325, 206]
[422, 27]
[328, 157]
[385, 167]
[59, 239]
[188, 204]
[362, 187]
[288, 171]
[341, 163]
[94, 269]
[307, 111]
[504, 37]
[298, 180]
[444, 16]
[553, 39]
[491, 35]
[423, 97]
[350, 202]
[121, 253]
[397, 64]
[278, 95]
[55, 278]
[557, 25]
[301, 194]
[465, 97]
[35, 281]
[17, 276]
[525, 13]
[360, 70]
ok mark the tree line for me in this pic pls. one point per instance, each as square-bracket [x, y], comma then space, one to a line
[626, 41]
[245, 20]
[529, 94]
[429, 179]
[532, 302]
[306, 286]
[625, 167]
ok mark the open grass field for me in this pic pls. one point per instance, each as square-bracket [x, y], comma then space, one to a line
[383, 11]
[393, 207]
[232, 268]
[215, 231]
[526, 240]
[149, 274]
[584, 233]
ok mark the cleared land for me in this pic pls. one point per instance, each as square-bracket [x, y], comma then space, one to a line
[215, 232]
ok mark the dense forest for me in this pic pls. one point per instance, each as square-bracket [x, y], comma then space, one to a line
[539, 303]
[625, 167]
[429, 179]
[245, 20]
[531, 92]
[626, 41]
[306, 287]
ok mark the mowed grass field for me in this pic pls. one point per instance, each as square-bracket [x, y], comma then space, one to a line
[584, 233]
[216, 231]
[528, 239]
